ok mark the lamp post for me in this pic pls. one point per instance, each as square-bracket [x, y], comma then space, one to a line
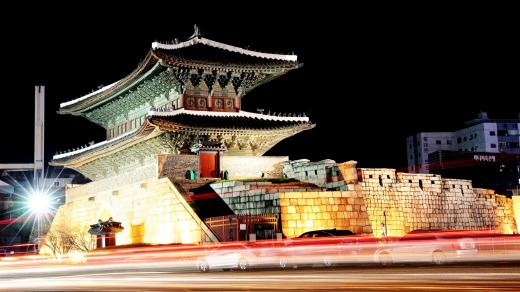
[385, 232]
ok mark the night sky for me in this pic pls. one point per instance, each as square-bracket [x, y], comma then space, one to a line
[372, 75]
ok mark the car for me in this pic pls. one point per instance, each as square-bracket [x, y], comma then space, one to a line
[242, 256]
[326, 233]
[438, 247]
[328, 247]
[495, 246]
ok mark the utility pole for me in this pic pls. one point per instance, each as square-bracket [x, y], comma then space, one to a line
[39, 135]
[39, 156]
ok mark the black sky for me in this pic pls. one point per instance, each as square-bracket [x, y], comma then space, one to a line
[372, 74]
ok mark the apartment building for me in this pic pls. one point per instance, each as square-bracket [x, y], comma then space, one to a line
[484, 150]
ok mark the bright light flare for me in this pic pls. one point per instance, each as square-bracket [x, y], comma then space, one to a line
[39, 203]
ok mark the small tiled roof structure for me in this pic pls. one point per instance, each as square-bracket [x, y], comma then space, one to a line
[105, 227]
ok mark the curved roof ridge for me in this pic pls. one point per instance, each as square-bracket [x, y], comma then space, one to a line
[139, 68]
[94, 145]
[215, 44]
[64, 104]
[226, 114]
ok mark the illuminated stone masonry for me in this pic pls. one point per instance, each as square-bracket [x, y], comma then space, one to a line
[373, 202]
[151, 209]
[404, 202]
[237, 167]
[395, 203]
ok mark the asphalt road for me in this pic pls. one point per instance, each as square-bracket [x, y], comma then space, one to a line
[475, 277]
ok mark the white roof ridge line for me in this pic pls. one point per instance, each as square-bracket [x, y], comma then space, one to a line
[64, 104]
[197, 40]
[104, 88]
[94, 145]
[224, 114]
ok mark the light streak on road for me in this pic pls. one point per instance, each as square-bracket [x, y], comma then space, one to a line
[377, 279]
[174, 268]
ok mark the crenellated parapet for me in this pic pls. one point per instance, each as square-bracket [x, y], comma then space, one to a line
[395, 202]
[402, 202]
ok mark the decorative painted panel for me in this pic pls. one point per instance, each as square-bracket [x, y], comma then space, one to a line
[219, 103]
[202, 102]
[190, 102]
[230, 104]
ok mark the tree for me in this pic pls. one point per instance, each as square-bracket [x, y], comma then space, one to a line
[70, 243]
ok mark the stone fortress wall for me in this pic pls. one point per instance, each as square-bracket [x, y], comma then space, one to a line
[383, 202]
[237, 167]
[369, 201]
[151, 209]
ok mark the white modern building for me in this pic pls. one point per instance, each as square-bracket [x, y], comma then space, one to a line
[420, 144]
[479, 135]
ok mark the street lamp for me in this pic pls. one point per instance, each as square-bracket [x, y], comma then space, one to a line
[384, 225]
[39, 204]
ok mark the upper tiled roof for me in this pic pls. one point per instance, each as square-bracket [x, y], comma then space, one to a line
[197, 53]
[198, 49]
[196, 38]
[107, 93]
